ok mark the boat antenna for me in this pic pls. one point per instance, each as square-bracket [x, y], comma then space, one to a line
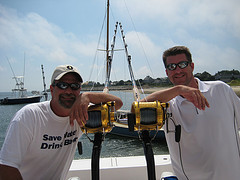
[44, 85]
[23, 68]
[14, 76]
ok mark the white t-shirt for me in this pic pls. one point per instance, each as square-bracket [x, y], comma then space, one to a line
[39, 143]
[209, 147]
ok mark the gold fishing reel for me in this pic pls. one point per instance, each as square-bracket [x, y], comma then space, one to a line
[147, 116]
[100, 118]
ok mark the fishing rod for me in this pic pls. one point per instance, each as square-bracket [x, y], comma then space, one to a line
[139, 120]
[100, 121]
[101, 117]
[147, 116]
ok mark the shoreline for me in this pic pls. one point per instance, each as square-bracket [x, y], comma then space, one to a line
[147, 90]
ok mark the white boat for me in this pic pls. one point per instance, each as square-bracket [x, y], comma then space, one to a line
[19, 93]
[119, 168]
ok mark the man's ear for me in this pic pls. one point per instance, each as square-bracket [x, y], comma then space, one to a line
[51, 89]
[166, 72]
[192, 66]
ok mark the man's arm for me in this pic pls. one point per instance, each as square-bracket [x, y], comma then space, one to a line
[191, 94]
[9, 173]
[80, 107]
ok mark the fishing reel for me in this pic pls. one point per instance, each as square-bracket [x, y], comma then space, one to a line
[100, 118]
[147, 116]
[100, 121]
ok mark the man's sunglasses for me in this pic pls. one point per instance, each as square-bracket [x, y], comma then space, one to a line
[173, 66]
[64, 85]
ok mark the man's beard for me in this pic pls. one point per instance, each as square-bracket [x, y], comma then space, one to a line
[67, 100]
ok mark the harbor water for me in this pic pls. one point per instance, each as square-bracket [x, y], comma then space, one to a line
[112, 146]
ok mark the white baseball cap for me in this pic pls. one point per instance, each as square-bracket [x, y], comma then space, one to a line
[61, 70]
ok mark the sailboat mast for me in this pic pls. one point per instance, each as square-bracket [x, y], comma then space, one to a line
[107, 43]
[105, 90]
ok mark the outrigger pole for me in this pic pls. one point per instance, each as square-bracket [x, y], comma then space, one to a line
[44, 85]
[109, 62]
[135, 89]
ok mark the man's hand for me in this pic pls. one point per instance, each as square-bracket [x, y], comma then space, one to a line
[79, 110]
[195, 96]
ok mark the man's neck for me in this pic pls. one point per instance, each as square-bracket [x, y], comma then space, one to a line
[59, 110]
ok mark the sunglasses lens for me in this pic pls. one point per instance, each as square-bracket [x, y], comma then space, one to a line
[62, 85]
[75, 86]
[183, 64]
[171, 67]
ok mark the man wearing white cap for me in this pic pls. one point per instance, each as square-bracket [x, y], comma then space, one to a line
[42, 137]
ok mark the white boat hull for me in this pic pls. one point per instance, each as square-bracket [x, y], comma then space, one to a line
[119, 168]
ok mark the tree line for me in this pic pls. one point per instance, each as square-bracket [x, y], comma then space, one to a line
[224, 75]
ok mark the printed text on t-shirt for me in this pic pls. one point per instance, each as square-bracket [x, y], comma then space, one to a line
[55, 142]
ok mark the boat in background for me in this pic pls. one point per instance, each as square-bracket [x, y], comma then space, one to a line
[19, 93]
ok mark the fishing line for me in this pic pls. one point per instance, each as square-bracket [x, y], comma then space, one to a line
[97, 49]
[138, 38]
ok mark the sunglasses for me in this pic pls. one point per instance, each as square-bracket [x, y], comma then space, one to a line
[173, 66]
[64, 85]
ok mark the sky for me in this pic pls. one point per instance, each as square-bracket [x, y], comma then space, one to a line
[56, 32]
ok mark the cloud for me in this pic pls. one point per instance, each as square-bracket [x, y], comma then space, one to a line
[217, 14]
[42, 41]
[38, 37]
[141, 44]
[1, 68]
[213, 58]
[142, 72]
[209, 28]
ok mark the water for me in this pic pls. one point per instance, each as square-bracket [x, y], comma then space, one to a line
[112, 146]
